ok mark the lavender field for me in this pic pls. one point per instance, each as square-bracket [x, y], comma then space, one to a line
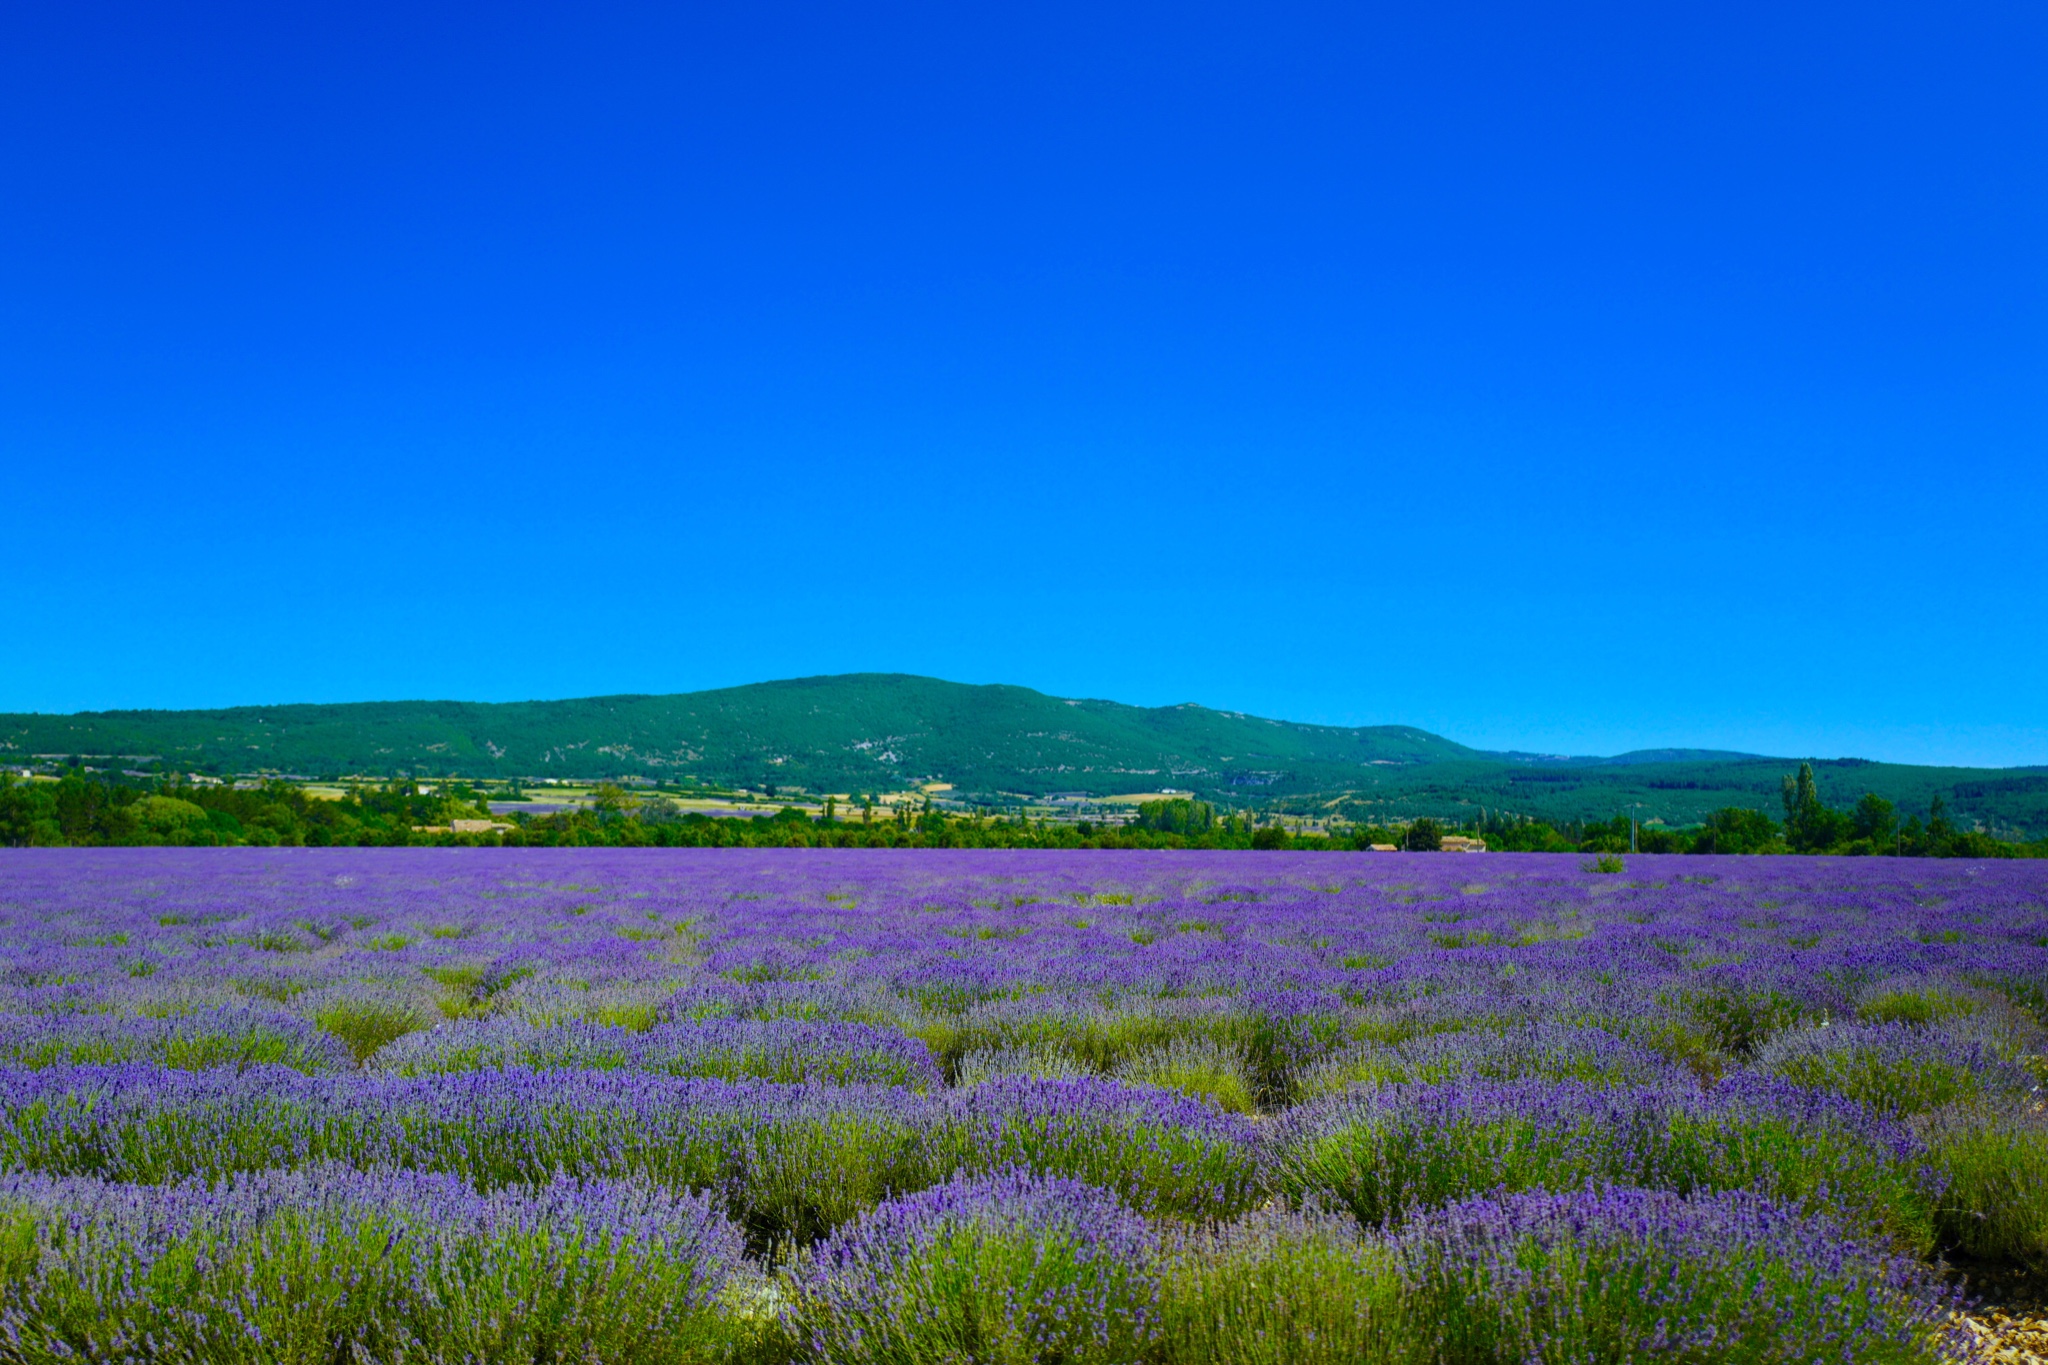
[468, 1105]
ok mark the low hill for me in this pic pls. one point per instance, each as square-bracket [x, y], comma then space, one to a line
[2011, 803]
[855, 732]
[867, 732]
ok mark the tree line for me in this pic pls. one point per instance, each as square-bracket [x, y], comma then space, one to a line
[1873, 827]
[84, 808]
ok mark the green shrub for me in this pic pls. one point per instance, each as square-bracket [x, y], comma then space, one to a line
[1392, 1152]
[1005, 1269]
[1632, 1275]
[1551, 1051]
[1161, 1152]
[1043, 1062]
[366, 1025]
[339, 1266]
[1994, 1159]
[1898, 1068]
[1277, 1288]
[1217, 1072]
[1737, 1019]
[1424, 836]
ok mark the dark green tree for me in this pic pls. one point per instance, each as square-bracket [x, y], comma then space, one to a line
[1874, 818]
[1799, 793]
[1810, 825]
[1734, 830]
[19, 811]
[1190, 819]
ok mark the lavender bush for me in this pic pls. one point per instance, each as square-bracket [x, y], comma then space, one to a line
[1547, 1050]
[1900, 1068]
[1160, 1151]
[1217, 1044]
[1623, 1274]
[334, 1264]
[1006, 1267]
[1217, 1072]
[236, 1035]
[1389, 1153]
[787, 1050]
[1044, 1063]
[793, 1160]
[1282, 1288]
[1994, 1164]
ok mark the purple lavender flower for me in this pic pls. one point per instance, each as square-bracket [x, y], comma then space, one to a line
[634, 1010]
[1161, 1151]
[1621, 1274]
[1391, 1152]
[1897, 1067]
[792, 1159]
[223, 1035]
[1008, 1266]
[284, 1264]
[1547, 1050]
[787, 1050]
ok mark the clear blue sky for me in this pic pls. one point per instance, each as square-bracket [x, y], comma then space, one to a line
[1563, 377]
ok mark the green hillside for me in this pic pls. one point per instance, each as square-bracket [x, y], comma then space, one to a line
[866, 732]
[2009, 802]
[856, 732]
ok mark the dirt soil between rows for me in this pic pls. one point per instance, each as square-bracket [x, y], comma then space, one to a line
[2010, 1318]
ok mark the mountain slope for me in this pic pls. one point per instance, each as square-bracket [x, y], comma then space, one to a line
[869, 732]
[2009, 802]
[854, 732]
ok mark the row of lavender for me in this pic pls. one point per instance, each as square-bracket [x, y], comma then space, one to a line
[334, 1264]
[1011, 1106]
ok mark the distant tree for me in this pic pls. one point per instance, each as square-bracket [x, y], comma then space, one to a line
[610, 799]
[1269, 837]
[1191, 819]
[1653, 839]
[18, 811]
[658, 810]
[169, 819]
[1734, 830]
[1810, 826]
[81, 803]
[1424, 836]
[1942, 839]
[1799, 794]
[1521, 836]
[1874, 818]
[1611, 836]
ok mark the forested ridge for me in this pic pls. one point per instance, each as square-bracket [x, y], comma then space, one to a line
[868, 732]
